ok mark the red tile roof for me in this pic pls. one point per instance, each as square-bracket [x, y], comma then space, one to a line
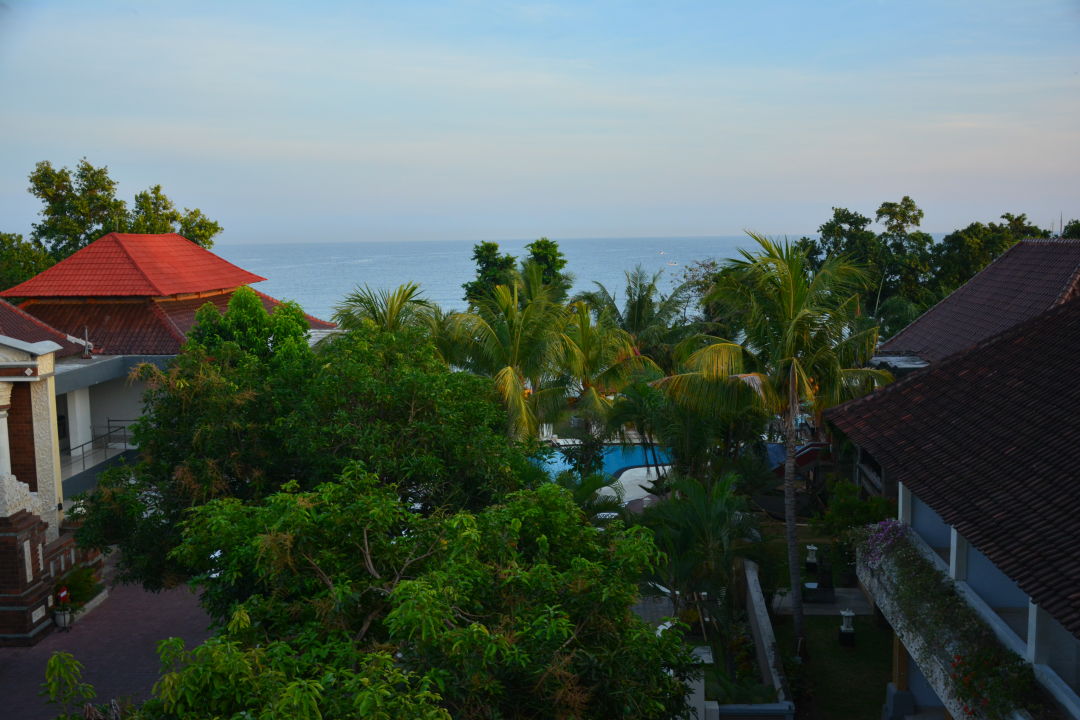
[19, 324]
[125, 265]
[990, 439]
[1028, 279]
[145, 326]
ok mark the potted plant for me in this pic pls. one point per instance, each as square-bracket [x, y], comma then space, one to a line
[63, 613]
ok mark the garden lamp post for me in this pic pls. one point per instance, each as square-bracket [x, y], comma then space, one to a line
[847, 629]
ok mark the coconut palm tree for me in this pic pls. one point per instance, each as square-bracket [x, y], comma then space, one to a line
[701, 530]
[390, 310]
[640, 407]
[654, 321]
[599, 360]
[801, 347]
[519, 345]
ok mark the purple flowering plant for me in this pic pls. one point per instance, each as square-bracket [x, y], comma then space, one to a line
[880, 538]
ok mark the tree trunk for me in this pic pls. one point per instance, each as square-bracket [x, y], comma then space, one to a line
[794, 564]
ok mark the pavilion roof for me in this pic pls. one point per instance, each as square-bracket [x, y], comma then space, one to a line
[131, 265]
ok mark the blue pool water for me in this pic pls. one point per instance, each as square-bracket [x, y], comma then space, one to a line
[616, 459]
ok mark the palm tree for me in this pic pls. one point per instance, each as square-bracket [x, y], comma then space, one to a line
[598, 495]
[518, 344]
[640, 407]
[653, 320]
[390, 311]
[802, 344]
[700, 530]
[599, 360]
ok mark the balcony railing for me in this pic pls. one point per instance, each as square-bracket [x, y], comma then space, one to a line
[107, 442]
[935, 648]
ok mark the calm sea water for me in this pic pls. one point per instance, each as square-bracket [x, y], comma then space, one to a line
[319, 275]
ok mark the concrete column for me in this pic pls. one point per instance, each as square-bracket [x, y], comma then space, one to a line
[79, 424]
[1038, 647]
[903, 503]
[958, 555]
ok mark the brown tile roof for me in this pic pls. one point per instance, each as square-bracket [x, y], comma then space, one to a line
[182, 312]
[21, 325]
[1029, 278]
[134, 327]
[144, 326]
[127, 265]
[990, 439]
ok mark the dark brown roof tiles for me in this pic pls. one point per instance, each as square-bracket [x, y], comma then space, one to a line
[990, 439]
[1028, 279]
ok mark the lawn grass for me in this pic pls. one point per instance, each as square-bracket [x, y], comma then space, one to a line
[842, 683]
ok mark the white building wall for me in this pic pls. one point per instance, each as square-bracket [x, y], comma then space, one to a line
[117, 399]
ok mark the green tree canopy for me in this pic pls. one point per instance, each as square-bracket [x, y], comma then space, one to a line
[801, 349]
[81, 206]
[248, 407]
[519, 610]
[1071, 230]
[964, 252]
[545, 255]
[20, 259]
[492, 269]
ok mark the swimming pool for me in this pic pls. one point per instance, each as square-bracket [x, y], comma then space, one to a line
[616, 459]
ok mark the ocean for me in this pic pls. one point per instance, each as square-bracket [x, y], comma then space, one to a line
[320, 275]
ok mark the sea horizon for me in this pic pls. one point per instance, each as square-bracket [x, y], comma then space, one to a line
[319, 275]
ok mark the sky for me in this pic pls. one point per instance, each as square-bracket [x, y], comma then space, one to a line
[402, 120]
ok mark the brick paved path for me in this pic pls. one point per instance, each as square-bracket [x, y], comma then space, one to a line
[116, 643]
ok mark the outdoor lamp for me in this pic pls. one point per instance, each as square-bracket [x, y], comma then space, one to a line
[847, 629]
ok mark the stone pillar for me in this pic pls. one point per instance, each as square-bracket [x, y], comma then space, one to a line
[50, 489]
[79, 425]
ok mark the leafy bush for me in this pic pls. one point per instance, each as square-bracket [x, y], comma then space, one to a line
[82, 585]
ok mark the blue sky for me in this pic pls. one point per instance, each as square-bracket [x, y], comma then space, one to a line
[473, 120]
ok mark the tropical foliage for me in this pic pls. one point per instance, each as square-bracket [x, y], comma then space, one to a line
[368, 520]
[248, 406]
[801, 348]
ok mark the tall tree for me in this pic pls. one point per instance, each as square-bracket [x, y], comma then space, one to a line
[20, 259]
[800, 345]
[963, 253]
[518, 344]
[655, 321]
[546, 256]
[492, 269]
[906, 260]
[154, 212]
[599, 359]
[81, 206]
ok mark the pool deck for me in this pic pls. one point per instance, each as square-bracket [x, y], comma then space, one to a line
[635, 482]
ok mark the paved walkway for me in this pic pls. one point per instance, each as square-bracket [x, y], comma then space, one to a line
[116, 642]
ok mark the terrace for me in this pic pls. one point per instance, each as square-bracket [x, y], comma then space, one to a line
[1016, 622]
